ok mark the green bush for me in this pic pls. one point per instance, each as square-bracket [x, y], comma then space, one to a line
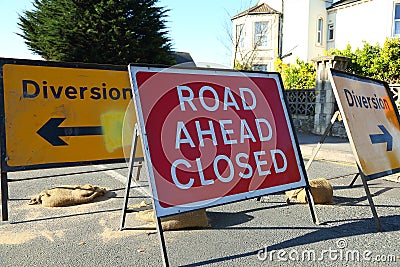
[242, 66]
[300, 75]
[377, 62]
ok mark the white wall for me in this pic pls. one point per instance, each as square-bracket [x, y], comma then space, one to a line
[295, 29]
[370, 21]
[317, 10]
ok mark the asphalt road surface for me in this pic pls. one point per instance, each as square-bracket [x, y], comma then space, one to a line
[247, 233]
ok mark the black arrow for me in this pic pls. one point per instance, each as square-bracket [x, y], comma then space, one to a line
[51, 131]
[386, 137]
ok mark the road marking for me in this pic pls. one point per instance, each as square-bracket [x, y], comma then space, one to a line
[116, 175]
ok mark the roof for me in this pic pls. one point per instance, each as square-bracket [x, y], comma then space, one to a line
[258, 9]
[184, 58]
[342, 3]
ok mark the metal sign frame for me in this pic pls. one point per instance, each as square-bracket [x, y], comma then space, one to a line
[133, 70]
[363, 179]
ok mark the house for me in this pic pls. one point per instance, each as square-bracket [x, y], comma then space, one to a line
[305, 29]
[256, 37]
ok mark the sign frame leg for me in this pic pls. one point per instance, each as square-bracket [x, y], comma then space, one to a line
[129, 178]
[126, 197]
[318, 147]
[4, 196]
[354, 180]
[311, 205]
[370, 200]
[162, 242]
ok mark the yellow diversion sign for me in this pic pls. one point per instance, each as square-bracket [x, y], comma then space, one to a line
[372, 122]
[60, 115]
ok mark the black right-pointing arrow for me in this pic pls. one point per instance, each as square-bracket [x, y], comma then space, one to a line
[385, 137]
[51, 131]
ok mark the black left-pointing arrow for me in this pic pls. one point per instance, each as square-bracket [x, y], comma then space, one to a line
[51, 131]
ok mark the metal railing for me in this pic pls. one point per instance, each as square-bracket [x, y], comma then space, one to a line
[301, 101]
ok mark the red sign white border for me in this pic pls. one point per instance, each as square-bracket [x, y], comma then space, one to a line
[162, 211]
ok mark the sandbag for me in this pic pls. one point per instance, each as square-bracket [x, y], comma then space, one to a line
[192, 219]
[321, 191]
[68, 195]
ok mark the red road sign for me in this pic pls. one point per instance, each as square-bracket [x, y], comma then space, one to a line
[214, 136]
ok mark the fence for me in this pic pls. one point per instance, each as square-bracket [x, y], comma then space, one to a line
[302, 108]
[395, 88]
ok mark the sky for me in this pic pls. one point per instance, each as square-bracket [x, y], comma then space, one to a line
[201, 28]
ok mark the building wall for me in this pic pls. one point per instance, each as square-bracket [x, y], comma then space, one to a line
[317, 10]
[300, 29]
[295, 29]
[369, 20]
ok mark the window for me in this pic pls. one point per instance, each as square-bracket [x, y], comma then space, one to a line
[260, 67]
[239, 35]
[396, 22]
[260, 33]
[330, 32]
[320, 26]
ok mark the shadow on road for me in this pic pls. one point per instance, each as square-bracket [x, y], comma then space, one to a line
[306, 138]
[354, 228]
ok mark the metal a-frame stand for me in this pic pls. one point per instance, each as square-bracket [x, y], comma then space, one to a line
[370, 201]
[129, 178]
[126, 197]
[158, 219]
[318, 147]
[360, 173]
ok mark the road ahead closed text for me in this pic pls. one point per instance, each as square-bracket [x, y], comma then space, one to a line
[226, 133]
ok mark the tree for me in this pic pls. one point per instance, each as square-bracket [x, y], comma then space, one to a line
[97, 31]
[377, 62]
